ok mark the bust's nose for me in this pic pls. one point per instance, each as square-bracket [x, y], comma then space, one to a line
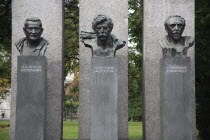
[176, 27]
[102, 30]
[33, 31]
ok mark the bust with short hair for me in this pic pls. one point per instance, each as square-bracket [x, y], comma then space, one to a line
[174, 44]
[101, 41]
[33, 44]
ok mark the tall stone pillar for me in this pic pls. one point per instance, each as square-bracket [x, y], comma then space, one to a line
[117, 10]
[50, 44]
[155, 13]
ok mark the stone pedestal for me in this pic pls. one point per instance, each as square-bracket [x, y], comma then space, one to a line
[31, 98]
[104, 90]
[176, 99]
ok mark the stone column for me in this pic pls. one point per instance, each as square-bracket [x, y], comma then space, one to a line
[117, 10]
[155, 13]
[51, 15]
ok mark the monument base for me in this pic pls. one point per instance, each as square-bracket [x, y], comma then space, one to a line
[104, 117]
[31, 98]
[176, 99]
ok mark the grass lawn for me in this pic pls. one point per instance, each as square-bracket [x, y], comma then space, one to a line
[4, 132]
[70, 130]
[135, 130]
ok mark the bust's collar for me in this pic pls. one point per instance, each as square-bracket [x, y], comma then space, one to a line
[181, 41]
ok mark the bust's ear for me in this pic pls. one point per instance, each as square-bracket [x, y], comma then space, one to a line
[183, 28]
[24, 30]
[110, 30]
[166, 28]
[42, 29]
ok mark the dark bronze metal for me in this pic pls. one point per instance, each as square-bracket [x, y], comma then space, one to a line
[101, 41]
[33, 43]
[174, 44]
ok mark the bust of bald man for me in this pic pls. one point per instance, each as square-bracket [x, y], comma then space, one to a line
[174, 44]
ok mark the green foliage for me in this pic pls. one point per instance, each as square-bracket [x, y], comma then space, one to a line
[71, 106]
[5, 7]
[75, 106]
[5, 67]
[202, 62]
[135, 60]
[135, 109]
[135, 23]
[5, 48]
[68, 104]
[71, 36]
[4, 88]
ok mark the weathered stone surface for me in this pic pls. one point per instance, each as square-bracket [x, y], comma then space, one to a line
[118, 11]
[104, 125]
[51, 15]
[176, 99]
[155, 13]
[31, 98]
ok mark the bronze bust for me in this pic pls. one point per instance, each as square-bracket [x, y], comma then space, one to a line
[174, 44]
[101, 41]
[33, 44]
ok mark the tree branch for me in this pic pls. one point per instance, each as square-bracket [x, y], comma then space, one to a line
[70, 3]
[72, 17]
[72, 57]
[6, 7]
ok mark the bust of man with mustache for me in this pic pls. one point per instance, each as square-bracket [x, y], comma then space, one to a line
[102, 42]
[33, 44]
[174, 44]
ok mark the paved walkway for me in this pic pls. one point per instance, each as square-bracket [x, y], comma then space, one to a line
[4, 119]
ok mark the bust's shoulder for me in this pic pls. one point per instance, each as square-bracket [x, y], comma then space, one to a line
[19, 44]
[164, 43]
[88, 38]
[188, 39]
[20, 41]
[44, 41]
[117, 41]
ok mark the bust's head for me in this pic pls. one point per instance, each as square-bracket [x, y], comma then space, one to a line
[174, 26]
[103, 26]
[33, 29]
